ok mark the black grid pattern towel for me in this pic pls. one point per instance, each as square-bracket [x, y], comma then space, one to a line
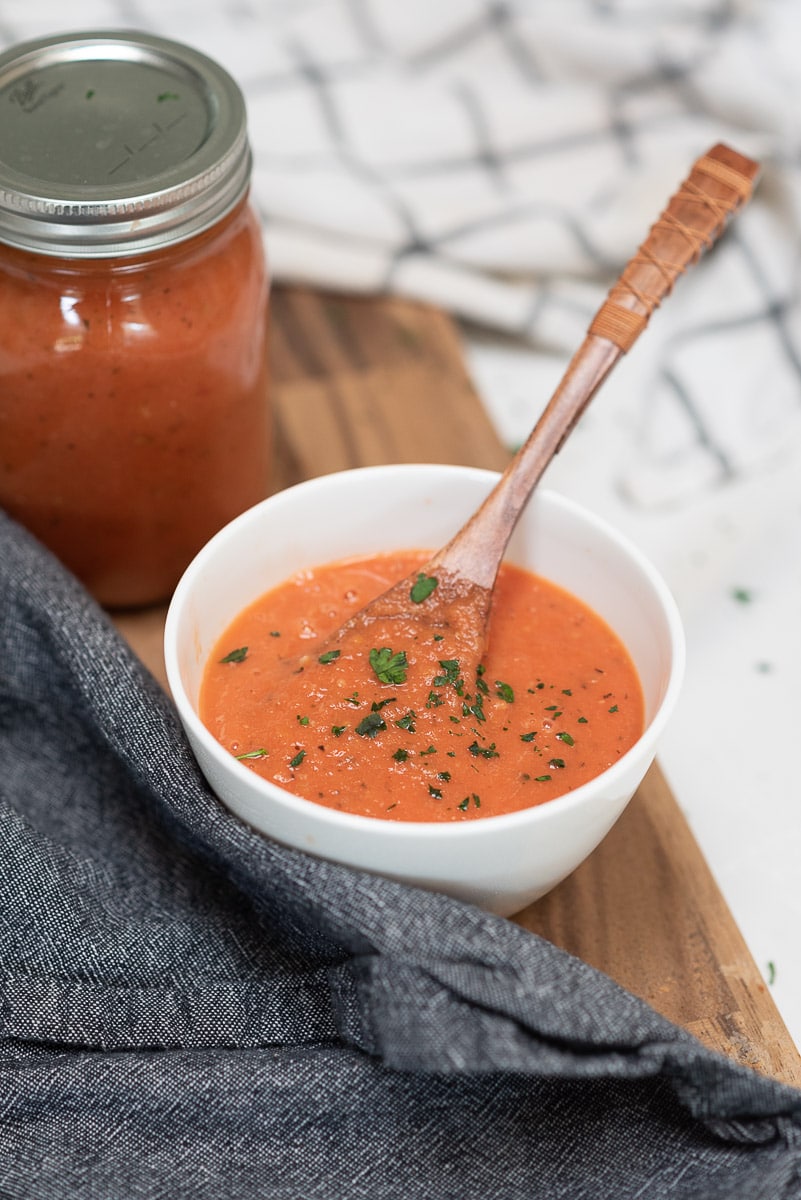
[503, 158]
[187, 1009]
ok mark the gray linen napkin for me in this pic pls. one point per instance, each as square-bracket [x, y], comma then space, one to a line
[191, 1010]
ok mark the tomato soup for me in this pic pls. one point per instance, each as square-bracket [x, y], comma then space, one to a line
[398, 728]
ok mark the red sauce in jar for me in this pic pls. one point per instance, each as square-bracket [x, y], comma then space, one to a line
[133, 306]
[133, 403]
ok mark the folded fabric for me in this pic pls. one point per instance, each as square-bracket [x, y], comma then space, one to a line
[188, 1009]
[504, 160]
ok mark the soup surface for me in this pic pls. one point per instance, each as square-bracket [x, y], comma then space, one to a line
[398, 729]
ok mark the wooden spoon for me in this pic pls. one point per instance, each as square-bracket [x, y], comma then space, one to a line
[466, 568]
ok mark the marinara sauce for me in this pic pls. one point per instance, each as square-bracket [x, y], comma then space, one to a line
[399, 725]
[134, 419]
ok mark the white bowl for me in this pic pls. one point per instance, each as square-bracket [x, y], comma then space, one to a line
[500, 863]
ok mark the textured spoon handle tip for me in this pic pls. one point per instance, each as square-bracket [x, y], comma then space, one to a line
[718, 183]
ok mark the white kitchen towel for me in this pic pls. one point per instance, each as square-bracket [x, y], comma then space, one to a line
[504, 158]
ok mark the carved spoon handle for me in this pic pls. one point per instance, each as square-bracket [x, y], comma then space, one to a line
[717, 185]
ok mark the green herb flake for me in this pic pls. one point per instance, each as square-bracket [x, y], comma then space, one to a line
[262, 753]
[771, 974]
[338, 730]
[582, 721]
[566, 692]
[275, 633]
[528, 737]
[504, 691]
[430, 750]
[302, 720]
[483, 751]
[445, 776]
[329, 656]
[389, 667]
[298, 759]
[557, 763]
[742, 595]
[475, 710]
[400, 755]
[463, 805]
[236, 656]
[407, 721]
[377, 705]
[614, 708]
[370, 725]
[422, 588]
[541, 778]
[434, 792]
[439, 637]
[162, 96]
[90, 93]
[353, 699]
[434, 700]
[567, 738]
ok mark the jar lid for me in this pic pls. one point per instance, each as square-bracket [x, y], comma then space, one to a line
[114, 143]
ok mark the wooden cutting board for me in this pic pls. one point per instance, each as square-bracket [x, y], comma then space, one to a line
[361, 382]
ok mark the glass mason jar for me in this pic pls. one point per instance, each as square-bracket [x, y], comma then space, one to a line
[134, 418]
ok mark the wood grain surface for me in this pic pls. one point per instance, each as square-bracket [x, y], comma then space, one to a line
[361, 382]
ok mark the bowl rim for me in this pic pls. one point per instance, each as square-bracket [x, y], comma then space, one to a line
[386, 828]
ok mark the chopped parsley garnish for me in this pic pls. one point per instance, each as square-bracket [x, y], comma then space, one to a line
[430, 750]
[582, 721]
[389, 667]
[400, 755]
[370, 725]
[236, 656]
[465, 804]
[483, 751]
[541, 778]
[434, 700]
[436, 793]
[445, 776]
[475, 710]
[354, 700]
[377, 705]
[262, 753]
[557, 763]
[298, 759]
[275, 633]
[338, 730]
[407, 721]
[302, 720]
[504, 691]
[452, 676]
[422, 588]
[528, 737]
[614, 708]
[329, 656]
[566, 738]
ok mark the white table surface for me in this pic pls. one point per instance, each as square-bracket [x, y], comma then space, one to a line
[732, 558]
